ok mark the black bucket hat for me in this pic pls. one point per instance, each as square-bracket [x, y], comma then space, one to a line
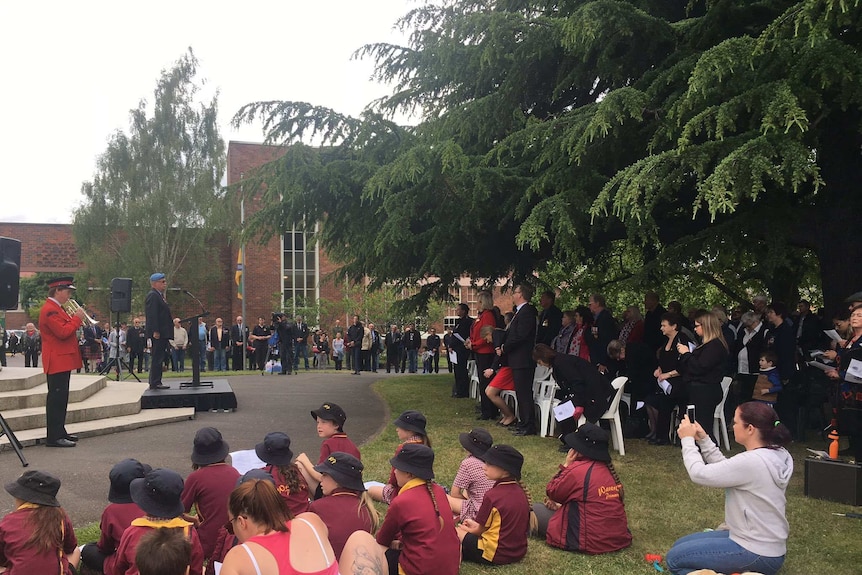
[477, 442]
[591, 441]
[259, 474]
[37, 487]
[209, 447]
[330, 412]
[412, 421]
[415, 458]
[121, 476]
[505, 457]
[275, 449]
[159, 493]
[345, 469]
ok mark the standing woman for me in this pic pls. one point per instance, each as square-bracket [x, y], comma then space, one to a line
[37, 537]
[660, 405]
[60, 355]
[482, 350]
[703, 369]
[580, 344]
[754, 484]
[847, 402]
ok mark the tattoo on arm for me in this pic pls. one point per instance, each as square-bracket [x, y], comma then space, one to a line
[366, 562]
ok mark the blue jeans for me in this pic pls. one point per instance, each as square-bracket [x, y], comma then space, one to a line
[714, 550]
[300, 350]
[413, 360]
[179, 357]
[219, 360]
[202, 349]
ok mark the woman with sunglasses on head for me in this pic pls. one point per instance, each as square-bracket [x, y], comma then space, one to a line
[702, 368]
[755, 537]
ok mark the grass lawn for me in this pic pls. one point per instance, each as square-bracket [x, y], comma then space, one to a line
[661, 502]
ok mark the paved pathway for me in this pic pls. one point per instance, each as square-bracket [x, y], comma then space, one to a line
[266, 403]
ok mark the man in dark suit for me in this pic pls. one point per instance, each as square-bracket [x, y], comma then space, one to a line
[460, 334]
[392, 341]
[238, 341]
[518, 348]
[550, 319]
[136, 342]
[301, 347]
[354, 343]
[160, 327]
[604, 330]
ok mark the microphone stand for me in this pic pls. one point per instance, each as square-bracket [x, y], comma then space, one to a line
[195, 346]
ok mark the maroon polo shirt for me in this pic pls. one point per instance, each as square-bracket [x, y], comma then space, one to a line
[22, 559]
[505, 514]
[209, 489]
[338, 442]
[125, 563]
[343, 515]
[116, 518]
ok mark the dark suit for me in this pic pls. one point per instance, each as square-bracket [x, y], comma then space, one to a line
[462, 378]
[136, 343]
[607, 330]
[392, 341]
[158, 314]
[354, 343]
[550, 322]
[518, 348]
[301, 344]
[238, 339]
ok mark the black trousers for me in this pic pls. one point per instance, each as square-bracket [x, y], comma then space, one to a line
[705, 398]
[392, 357]
[31, 358]
[260, 356]
[462, 378]
[356, 352]
[158, 355]
[56, 405]
[93, 558]
[483, 362]
[139, 355]
[523, 377]
[285, 355]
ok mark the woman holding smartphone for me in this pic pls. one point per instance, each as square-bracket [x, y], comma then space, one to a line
[703, 368]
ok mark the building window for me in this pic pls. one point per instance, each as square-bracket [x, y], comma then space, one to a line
[472, 299]
[301, 270]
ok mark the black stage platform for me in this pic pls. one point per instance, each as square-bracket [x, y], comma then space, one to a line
[219, 396]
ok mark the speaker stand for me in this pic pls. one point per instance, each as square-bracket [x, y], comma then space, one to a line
[118, 362]
[13, 441]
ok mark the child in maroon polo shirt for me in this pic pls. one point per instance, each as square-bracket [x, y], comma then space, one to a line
[116, 517]
[498, 535]
[410, 427]
[346, 506]
[330, 420]
[291, 479]
[209, 486]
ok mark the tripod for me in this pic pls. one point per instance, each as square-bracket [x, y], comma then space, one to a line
[118, 362]
[13, 441]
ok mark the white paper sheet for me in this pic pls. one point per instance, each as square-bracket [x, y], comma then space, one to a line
[246, 460]
[217, 566]
[665, 386]
[833, 335]
[691, 346]
[820, 366]
[373, 484]
[453, 358]
[854, 371]
[564, 411]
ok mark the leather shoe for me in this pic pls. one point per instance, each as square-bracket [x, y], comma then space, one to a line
[525, 431]
[71, 437]
[62, 442]
[160, 386]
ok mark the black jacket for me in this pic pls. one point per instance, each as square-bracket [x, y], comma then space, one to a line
[158, 314]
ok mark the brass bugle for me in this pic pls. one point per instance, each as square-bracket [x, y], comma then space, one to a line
[71, 307]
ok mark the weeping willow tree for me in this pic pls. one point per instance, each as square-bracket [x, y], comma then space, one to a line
[718, 140]
[155, 199]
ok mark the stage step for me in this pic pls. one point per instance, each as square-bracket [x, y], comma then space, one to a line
[105, 426]
[81, 387]
[18, 378]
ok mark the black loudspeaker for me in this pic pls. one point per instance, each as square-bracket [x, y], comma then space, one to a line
[121, 295]
[10, 272]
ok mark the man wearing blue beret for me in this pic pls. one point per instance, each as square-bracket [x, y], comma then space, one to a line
[160, 327]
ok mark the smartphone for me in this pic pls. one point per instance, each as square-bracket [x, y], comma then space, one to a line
[689, 411]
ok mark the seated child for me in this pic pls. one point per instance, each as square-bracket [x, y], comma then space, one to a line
[768, 382]
[585, 497]
[346, 506]
[498, 535]
[163, 552]
[330, 420]
[37, 537]
[159, 494]
[290, 477]
[471, 483]
[116, 517]
[428, 542]
[410, 427]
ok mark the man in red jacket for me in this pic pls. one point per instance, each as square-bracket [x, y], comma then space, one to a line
[60, 355]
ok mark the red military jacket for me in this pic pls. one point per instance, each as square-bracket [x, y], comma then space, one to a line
[59, 342]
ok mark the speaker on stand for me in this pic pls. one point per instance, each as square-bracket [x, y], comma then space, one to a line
[10, 279]
[121, 302]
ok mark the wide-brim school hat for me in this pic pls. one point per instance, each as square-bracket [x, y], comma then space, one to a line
[36, 487]
[413, 421]
[159, 493]
[477, 442]
[416, 459]
[505, 457]
[330, 412]
[345, 469]
[209, 447]
[122, 474]
[258, 474]
[591, 441]
[275, 449]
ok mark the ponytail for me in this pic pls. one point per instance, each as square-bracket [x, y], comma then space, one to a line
[534, 520]
[616, 478]
[366, 501]
[434, 501]
[48, 528]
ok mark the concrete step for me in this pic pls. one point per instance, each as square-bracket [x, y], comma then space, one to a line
[114, 400]
[105, 426]
[18, 378]
[81, 387]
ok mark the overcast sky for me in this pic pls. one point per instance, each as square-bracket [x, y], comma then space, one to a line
[73, 70]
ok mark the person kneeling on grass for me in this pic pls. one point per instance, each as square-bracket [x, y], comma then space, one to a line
[498, 535]
[754, 535]
[584, 511]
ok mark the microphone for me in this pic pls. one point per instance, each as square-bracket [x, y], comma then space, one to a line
[175, 289]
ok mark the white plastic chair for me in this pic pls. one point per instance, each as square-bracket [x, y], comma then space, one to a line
[473, 373]
[510, 397]
[719, 423]
[546, 401]
[612, 415]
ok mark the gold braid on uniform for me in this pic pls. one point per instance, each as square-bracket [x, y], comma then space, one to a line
[616, 478]
[434, 501]
[534, 521]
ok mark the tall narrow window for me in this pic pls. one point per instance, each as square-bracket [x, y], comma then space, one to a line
[301, 274]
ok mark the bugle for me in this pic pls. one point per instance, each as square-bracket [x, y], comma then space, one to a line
[72, 307]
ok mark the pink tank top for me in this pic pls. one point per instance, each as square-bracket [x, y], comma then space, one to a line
[278, 544]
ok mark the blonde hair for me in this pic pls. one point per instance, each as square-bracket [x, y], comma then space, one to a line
[485, 300]
[711, 328]
[366, 501]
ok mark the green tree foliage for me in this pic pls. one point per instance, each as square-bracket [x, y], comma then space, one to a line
[713, 142]
[156, 197]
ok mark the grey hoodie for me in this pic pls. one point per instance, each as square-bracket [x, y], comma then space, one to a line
[754, 483]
